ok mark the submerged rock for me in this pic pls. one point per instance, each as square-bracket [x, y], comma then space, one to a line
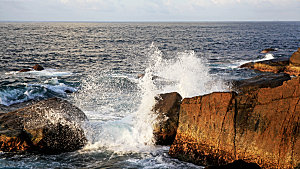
[259, 126]
[50, 126]
[167, 110]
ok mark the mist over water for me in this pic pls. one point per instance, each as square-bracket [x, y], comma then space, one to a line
[96, 66]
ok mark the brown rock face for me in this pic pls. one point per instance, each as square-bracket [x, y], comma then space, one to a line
[260, 126]
[38, 67]
[50, 126]
[167, 110]
[295, 58]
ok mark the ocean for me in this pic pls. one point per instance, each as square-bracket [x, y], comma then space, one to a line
[96, 66]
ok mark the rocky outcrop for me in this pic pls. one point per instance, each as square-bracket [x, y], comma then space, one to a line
[36, 67]
[262, 81]
[268, 50]
[295, 58]
[259, 126]
[50, 126]
[167, 110]
[290, 65]
[275, 65]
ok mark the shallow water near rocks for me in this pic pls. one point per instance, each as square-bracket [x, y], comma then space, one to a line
[95, 67]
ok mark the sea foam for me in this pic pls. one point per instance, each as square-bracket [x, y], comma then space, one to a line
[185, 73]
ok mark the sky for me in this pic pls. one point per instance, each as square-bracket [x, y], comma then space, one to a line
[149, 10]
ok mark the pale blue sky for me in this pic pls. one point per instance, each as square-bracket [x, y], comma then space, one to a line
[149, 10]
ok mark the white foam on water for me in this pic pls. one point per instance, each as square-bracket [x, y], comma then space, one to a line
[186, 74]
[45, 72]
[33, 91]
[268, 56]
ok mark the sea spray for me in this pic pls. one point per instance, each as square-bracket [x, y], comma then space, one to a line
[185, 73]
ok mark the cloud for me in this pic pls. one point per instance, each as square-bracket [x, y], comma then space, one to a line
[145, 10]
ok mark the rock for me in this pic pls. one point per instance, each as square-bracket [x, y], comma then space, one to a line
[274, 65]
[295, 58]
[13, 107]
[238, 164]
[260, 126]
[38, 67]
[262, 81]
[167, 110]
[268, 50]
[290, 65]
[51, 126]
[25, 70]
[293, 70]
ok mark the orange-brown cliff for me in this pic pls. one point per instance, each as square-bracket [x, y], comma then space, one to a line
[260, 126]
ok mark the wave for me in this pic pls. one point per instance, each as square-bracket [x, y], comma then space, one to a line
[20, 93]
[45, 72]
[186, 74]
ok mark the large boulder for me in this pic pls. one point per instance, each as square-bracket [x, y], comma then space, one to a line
[167, 110]
[260, 126]
[50, 126]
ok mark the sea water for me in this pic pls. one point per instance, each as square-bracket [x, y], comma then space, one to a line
[96, 66]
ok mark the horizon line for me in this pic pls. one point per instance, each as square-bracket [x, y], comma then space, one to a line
[166, 21]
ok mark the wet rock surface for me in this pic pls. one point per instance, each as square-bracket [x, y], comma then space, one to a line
[258, 126]
[238, 164]
[167, 110]
[50, 126]
[263, 81]
[290, 65]
[274, 65]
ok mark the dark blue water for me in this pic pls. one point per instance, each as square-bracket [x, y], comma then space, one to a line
[95, 66]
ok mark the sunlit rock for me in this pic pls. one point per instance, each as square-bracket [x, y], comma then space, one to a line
[259, 126]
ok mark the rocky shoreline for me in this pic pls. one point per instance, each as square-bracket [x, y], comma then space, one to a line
[258, 123]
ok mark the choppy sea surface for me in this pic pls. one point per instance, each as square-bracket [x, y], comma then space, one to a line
[95, 66]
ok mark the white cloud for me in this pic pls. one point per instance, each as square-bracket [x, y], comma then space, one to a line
[100, 10]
